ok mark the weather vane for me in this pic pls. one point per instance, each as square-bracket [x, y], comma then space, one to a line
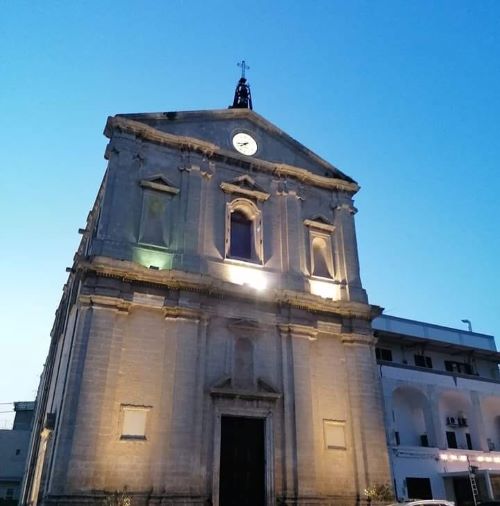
[244, 67]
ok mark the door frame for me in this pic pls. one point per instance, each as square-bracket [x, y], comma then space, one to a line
[261, 413]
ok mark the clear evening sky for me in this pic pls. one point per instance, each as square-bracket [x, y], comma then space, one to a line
[404, 96]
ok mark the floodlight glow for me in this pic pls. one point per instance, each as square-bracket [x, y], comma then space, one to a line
[496, 459]
[324, 289]
[480, 459]
[488, 459]
[462, 458]
[249, 276]
[152, 259]
[453, 457]
[443, 456]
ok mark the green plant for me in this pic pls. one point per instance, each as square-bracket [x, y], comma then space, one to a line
[381, 492]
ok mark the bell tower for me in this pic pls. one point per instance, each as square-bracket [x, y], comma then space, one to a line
[242, 96]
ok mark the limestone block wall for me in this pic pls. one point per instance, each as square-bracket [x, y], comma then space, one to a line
[187, 371]
[194, 228]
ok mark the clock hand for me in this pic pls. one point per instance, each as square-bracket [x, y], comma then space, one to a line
[242, 143]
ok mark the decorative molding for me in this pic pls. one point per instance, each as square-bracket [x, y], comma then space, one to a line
[210, 150]
[345, 207]
[244, 326]
[182, 313]
[246, 186]
[105, 302]
[329, 327]
[321, 225]
[264, 391]
[159, 183]
[354, 338]
[129, 271]
[301, 331]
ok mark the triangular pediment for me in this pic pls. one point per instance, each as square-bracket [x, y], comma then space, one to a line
[246, 183]
[218, 127]
[245, 186]
[319, 218]
[159, 183]
[224, 387]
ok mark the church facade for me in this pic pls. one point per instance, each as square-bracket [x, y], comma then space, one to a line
[213, 344]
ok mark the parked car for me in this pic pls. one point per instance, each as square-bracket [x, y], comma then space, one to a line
[433, 502]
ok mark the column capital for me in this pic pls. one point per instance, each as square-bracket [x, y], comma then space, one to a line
[183, 313]
[345, 207]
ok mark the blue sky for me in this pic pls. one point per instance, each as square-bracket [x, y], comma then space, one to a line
[404, 96]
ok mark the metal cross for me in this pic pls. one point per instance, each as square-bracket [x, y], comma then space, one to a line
[244, 67]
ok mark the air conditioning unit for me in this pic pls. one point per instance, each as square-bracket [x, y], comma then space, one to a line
[450, 420]
[462, 422]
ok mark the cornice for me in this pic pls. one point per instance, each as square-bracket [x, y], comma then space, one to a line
[203, 283]
[211, 150]
[181, 313]
[364, 339]
[105, 302]
[297, 330]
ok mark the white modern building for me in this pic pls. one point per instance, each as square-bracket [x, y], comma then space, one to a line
[441, 390]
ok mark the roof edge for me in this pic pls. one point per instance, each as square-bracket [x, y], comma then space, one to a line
[141, 130]
[239, 113]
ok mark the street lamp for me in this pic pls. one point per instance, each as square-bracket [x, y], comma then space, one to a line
[469, 324]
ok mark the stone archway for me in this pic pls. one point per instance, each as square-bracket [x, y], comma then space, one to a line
[411, 417]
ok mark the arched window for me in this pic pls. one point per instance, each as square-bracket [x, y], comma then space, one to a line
[320, 247]
[243, 231]
[241, 235]
[321, 258]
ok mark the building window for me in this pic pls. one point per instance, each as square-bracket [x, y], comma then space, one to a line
[458, 367]
[397, 439]
[423, 361]
[156, 211]
[243, 231]
[18, 451]
[424, 440]
[383, 354]
[241, 236]
[468, 440]
[451, 439]
[334, 434]
[134, 421]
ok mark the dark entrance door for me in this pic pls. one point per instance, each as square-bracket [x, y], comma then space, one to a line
[242, 462]
[463, 492]
[419, 488]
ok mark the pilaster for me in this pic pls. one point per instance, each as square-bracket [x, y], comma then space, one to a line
[301, 338]
[347, 251]
[193, 229]
[366, 412]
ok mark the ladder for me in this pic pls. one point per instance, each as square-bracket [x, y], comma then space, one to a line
[473, 486]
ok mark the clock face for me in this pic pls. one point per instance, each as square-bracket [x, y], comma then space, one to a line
[245, 144]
